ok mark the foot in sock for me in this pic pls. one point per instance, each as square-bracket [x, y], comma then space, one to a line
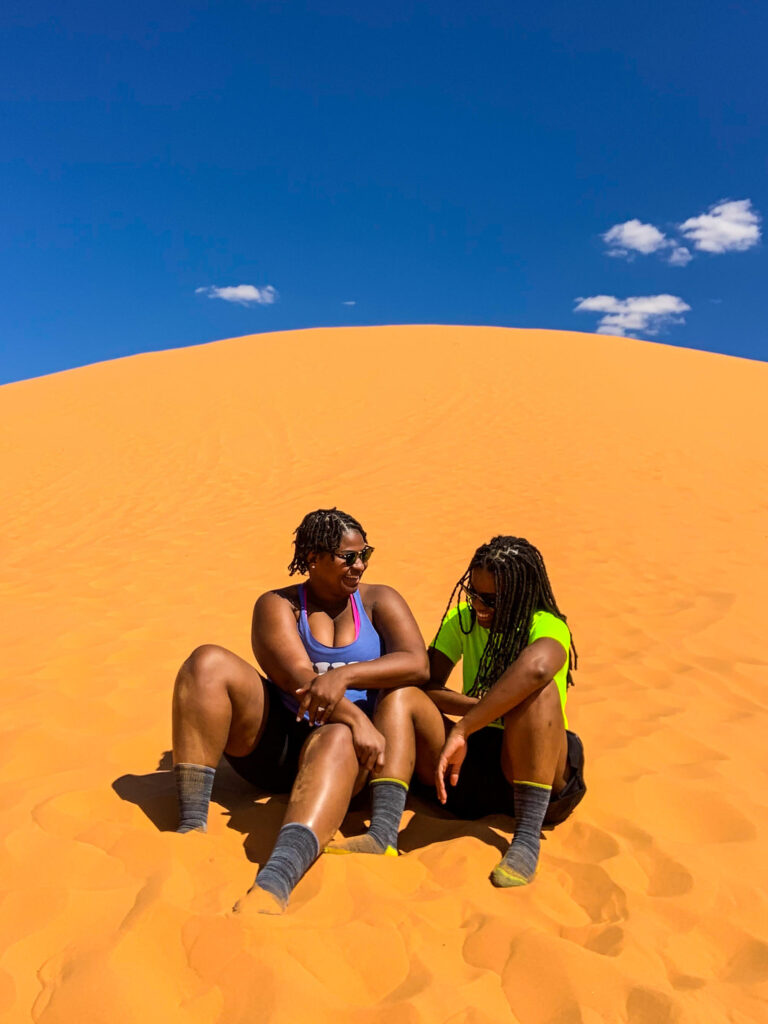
[194, 783]
[295, 850]
[259, 901]
[387, 804]
[365, 843]
[518, 865]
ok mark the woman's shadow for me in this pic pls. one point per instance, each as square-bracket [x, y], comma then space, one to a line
[257, 815]
[254, 813]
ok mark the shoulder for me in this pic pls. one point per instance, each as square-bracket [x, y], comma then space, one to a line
[544, 624]
[278, 602]
[379, 595]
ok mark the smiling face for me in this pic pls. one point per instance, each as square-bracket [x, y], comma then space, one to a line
[483, 582]
[331, 573]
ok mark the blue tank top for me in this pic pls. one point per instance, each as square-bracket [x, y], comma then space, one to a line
[365, 647]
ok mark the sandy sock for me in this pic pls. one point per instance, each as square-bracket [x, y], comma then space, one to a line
[194, 783]
[296, 848]
[518, 865]
[388, 798]
[387, 804]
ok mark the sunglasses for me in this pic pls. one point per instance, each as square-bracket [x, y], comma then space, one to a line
[350, 557]
[489, 600]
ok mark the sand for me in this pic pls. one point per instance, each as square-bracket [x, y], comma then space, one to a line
[149, 500]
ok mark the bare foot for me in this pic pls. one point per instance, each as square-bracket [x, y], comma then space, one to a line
[258, 901]
[361, 844]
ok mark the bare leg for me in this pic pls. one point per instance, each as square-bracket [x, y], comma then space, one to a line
[328, 774]
[415, 733]
[533, 759]
[219, 703]
[535, 745]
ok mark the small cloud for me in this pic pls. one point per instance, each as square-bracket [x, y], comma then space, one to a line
[242, 294]
[679, 256]
[633, 236]
[729, 226]
[349, 302]
[647, 314]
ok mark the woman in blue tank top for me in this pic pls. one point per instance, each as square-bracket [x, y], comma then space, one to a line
[327, 648]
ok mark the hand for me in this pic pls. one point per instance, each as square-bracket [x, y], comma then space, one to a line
[451, 759]
[321, 696]
[369, 743]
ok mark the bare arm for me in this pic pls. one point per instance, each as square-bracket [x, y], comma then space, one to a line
[405, 660]
[536, 666]
[448, 701]
[280, 652]
[531, 671]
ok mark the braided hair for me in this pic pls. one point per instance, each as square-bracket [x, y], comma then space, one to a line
[320, 530]
[522, 588]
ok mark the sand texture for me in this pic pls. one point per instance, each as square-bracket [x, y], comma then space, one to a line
[149, 500]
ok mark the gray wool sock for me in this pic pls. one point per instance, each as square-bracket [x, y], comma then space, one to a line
[194, 783]
[295, 850]
[518, 865]
[388, 798]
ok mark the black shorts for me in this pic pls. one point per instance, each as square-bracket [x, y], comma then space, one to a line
[275, 761]
[482, 788]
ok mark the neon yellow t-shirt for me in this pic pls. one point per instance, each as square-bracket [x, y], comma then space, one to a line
[454, 643]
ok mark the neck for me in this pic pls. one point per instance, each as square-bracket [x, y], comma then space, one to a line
[332, 604]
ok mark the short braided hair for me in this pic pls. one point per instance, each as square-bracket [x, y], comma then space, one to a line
[320, 530]
[522, 588]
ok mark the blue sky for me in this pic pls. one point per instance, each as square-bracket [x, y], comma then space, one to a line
[354, 163]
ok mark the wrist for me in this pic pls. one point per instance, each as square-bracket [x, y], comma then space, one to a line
[462, 729]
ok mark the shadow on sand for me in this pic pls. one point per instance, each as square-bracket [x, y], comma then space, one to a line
[258, 815]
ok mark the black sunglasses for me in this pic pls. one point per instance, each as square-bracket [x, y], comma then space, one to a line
[350, 557]
[489, 600]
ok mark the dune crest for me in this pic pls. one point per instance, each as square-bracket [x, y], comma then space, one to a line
[149, 501]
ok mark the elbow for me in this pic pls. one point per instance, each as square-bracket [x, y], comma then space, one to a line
[421, 675]
[540, 673]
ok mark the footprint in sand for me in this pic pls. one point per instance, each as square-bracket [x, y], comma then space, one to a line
[596, 893]
[666, 876]
[591, 844]
[649, 1006]
[749, 963]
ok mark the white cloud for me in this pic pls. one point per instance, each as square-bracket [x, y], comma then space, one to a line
[349, 302]
[647, 314]
[633, 236]
[679, 256]
[728, 226]
[242, 294]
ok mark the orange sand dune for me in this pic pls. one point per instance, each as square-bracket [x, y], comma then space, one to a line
[149, 500]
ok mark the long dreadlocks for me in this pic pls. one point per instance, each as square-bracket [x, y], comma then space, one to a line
[320, 530]
[522, 588]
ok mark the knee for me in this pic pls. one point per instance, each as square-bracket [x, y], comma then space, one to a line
[334, 740]
[401, 699]
[542, 707]
[204, 670]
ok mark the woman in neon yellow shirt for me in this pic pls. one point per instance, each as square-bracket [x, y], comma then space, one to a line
[510, 752]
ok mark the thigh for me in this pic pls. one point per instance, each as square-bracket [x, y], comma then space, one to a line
[248, 698]
[273, 762]
[431, 728]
